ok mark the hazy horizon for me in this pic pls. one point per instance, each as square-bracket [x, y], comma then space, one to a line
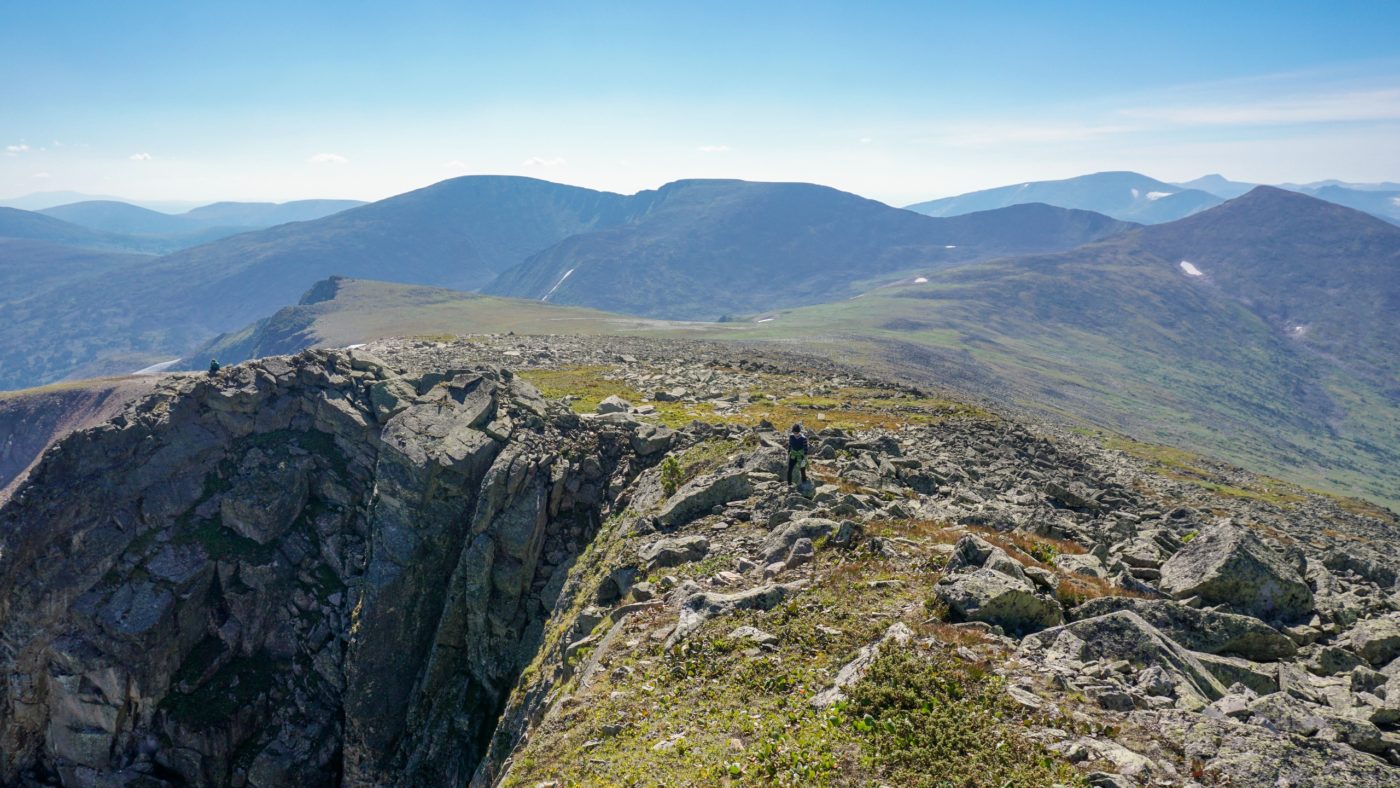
[900, 103]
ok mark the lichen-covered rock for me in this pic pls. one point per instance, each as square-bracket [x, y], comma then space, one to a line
[703, 494]
[997, 598]
[1230, 565]
[675, 551]
[1209, 631]
[1124, 635]
[1377, 640]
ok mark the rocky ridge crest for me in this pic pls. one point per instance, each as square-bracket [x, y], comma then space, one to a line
[404, 564]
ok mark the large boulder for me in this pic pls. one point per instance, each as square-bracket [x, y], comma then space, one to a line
[702, 495]
[780, 542]
[1124, 635]
[674, 552]
[996, 598]
[1209, 631]
[701, 607]
[1377, 640]
[1230, 565]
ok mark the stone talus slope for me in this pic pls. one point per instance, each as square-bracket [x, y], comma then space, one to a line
[1152, 631]
[300, 571]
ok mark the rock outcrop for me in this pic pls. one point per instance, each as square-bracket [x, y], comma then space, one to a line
[296, 571]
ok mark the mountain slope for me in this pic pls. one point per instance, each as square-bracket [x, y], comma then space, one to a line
[1123, 195]
[704, 249]
[1121, 334]
[28, 225]
[339, 312]
[459, 234]
[1325, 276]
[31, 267]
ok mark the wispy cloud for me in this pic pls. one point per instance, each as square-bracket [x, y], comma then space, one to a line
[976, 135]
[866, 140]
[455, 165]
[15, 150]
[140, 157]
[328, 158]
[539, 161]
[714, 148]
[41, 175]
[1329, 107]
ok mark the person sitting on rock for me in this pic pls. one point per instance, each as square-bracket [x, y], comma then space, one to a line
[213, 366]
[797, 454]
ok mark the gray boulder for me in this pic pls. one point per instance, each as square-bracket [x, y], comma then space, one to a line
[974, 552]
[1124, 635]
[996, 598]
[614, 404]
[1209, 631]
[701, 607]
[674, 552]
[1377, 640]
[650, 439]
[702, 495]
[1230, 565]
[779, 543]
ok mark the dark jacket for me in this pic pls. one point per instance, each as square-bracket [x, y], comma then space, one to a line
[797, 442]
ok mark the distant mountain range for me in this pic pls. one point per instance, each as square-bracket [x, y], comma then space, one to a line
[785, 244]
[1134, 197]
[38, 201]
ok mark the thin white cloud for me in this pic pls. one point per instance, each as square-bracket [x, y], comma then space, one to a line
[41, 175]
[714, 148]
[866, 140]
[979, 135]
[539, 161]
[455, 165]
[328, 158]
[15, 150]
[1334, 107]
[140, 157]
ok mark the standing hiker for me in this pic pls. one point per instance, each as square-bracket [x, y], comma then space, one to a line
[797, 454]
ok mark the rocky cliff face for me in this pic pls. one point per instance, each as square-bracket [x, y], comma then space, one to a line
[296, 572]
[406, 566]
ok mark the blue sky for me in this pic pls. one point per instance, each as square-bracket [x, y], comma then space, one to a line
[896, 101]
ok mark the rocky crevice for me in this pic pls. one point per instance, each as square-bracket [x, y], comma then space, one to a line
[300, 571]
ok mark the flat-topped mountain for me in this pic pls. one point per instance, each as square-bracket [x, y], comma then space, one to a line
[1123, 195]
